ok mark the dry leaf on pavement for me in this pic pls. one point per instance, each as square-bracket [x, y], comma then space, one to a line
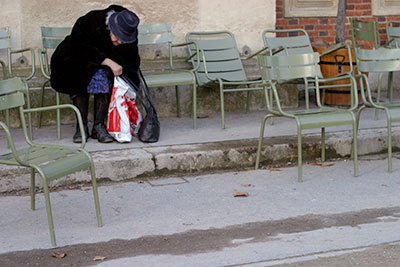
[322, 164]
[59, 255]
[99, 258]
[202, 116]
[272, 169]
[240, 194]
[246, 185]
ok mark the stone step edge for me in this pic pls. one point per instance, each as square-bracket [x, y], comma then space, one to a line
[155, 162]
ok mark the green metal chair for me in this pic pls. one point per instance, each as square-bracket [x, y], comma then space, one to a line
[220, 63]
[365, 34]
[393, 36]
[379, 60]
[49, 161]
[304, 66]
[159, 34]
[5, 43]
[393, 33]
[297, 41]
[51, 38]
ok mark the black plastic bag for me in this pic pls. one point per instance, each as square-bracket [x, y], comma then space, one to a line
[149, 131]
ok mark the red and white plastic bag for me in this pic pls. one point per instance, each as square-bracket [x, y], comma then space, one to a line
[124, 118]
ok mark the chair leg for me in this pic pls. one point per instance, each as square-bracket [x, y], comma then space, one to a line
[222, 106]
[390, 86]
[49, 213]
[271, 121]
[389, 141]
[299, 156]
[28, 105]
[323, 144]
[248, 101]
[261, 139]
[58, 116]
[95, 194]
[178, 109]
[355, 152]
[8, 118]
[32, 189]
[194, 106]
[378, 97]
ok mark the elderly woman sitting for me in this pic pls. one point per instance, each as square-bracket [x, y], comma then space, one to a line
[102, 44]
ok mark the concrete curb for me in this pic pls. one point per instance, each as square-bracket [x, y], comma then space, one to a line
[127, 164]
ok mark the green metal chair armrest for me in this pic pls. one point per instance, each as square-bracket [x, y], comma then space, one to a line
[4, 68]
[11, 144]
[205, 66]
[63, 106]
[343, 76]
[280, 111]
[255, 54]
[240, 82]
[171, 46]
[18, 51]
[44, 65]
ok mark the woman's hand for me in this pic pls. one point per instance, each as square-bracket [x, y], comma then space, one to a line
[114, 66]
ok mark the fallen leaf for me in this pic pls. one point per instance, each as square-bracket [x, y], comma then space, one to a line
[273, 169]
[322, 164]
[246, 185]
[240, 194]
[85, 188]
[59, 255]
[99, 258]
[202, 116]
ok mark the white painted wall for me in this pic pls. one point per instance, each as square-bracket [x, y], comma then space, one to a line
[245, 18]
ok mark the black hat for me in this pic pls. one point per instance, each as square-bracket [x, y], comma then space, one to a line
[124, 26]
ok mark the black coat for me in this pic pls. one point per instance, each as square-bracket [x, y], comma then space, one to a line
[80, 55]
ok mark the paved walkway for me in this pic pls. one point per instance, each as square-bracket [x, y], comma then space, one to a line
[196, 220]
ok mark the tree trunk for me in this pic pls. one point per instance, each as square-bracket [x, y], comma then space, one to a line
[341, 22]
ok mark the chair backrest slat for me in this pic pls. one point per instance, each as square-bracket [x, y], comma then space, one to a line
[294, 44]
[221, 54]
[298, 42]
[12, 100]
[378, 60]
[154, 33]
[53, 36]
[289, 67]
[365, 33]
[5, 38]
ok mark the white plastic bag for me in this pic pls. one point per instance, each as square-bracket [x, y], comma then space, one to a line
[124, 119]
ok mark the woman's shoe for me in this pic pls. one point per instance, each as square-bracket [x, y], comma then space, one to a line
[100, 132]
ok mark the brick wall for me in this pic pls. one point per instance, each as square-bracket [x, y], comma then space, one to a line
[322, 29]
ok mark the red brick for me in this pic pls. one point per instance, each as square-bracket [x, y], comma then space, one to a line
[324, 27]
[308, 21]
[332, 21]
[282, 22]
[364, 6]
[354, 13]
